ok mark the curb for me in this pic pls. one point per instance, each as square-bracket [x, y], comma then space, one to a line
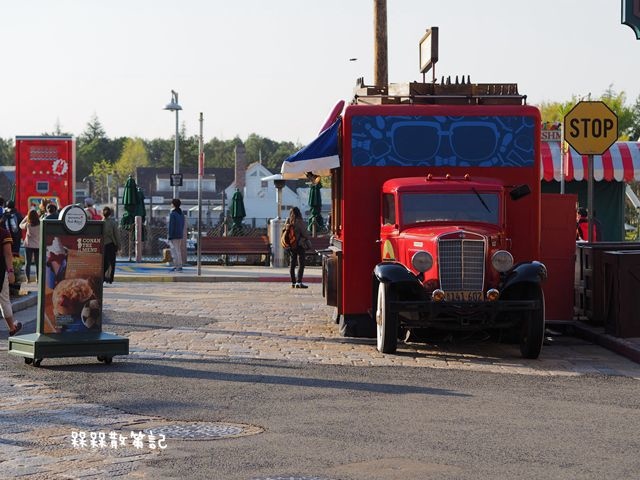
[207, 279]
[629, 348]
[24, 301]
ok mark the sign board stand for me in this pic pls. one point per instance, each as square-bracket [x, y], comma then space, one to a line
[69, 320]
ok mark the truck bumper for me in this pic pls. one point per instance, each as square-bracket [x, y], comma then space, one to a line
[462, 315]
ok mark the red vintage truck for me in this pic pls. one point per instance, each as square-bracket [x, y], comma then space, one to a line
[436, 214]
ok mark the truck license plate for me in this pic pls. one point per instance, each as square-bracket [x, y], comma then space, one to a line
[463, 296]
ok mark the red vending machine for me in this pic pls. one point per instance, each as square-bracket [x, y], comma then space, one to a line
[45, 169]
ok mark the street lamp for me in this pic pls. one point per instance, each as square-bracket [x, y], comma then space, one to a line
[174, 106]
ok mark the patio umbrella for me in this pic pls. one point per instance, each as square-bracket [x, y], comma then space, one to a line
[237, 212]
[130, 204]
[315, 205]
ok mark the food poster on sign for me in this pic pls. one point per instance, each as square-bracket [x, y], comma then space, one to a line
[72, 282]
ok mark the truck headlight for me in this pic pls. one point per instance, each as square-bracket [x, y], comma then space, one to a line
[502, 261]
[422, 261]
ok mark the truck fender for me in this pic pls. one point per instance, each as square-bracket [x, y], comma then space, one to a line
[396, 274]
[529, 272]
[393, 272]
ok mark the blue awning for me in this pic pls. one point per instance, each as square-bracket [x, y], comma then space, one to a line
[319, 157]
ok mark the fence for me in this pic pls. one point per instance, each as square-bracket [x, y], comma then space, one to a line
[155, 236]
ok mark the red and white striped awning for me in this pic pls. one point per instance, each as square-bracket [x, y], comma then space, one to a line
[620, 163]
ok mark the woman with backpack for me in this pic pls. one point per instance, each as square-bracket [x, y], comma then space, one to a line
[297, 234]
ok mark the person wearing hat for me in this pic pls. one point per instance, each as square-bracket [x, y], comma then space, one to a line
[92, 213]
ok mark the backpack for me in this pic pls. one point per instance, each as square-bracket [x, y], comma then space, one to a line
[288, 238]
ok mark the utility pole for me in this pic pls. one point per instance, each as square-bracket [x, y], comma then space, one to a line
[381, 73]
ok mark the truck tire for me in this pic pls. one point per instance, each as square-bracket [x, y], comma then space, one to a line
[532, 329]
[386, 321]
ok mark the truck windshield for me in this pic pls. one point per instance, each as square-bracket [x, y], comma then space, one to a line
[450, 207]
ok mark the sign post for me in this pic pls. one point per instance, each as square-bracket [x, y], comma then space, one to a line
[590, 128]
[69, 319]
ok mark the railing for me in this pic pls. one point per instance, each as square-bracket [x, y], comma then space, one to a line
[155, 238]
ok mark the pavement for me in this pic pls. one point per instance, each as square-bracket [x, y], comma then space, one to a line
[161, 272]
[227, 315]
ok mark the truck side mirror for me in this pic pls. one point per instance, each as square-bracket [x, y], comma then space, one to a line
[519, 192]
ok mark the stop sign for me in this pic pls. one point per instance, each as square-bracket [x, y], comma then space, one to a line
[590, 128]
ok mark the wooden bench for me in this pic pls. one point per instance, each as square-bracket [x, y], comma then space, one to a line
[317, 244]
[236, 246]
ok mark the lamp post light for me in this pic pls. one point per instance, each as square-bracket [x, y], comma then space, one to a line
[174, 106]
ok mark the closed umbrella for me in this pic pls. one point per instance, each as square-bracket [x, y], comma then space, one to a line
[130, 204]
[315, 205]
[12, 195]
[141, 211]
[237, 212]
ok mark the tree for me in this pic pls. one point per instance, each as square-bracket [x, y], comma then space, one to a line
[94, 130]
[7, 152]
[616, 101]
[634, 132]
[134, 155]
[103, 181]
[92, 147]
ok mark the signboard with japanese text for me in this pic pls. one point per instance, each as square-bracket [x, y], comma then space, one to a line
[72, 262]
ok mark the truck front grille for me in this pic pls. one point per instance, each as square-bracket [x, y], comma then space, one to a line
[461, 264]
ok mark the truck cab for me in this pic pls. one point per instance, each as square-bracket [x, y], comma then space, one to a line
[446, 262]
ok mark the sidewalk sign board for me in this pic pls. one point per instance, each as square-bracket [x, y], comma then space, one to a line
[69, 317]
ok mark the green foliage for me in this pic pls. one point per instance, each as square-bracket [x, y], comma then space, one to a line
[7, 152]
[134, 155]
[103, 181]
[628, 116]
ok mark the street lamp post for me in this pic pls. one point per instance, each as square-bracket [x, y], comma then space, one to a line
[174, 106]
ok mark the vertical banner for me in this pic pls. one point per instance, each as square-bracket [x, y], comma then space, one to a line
[71, 258]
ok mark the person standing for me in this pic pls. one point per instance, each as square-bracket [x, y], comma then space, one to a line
[111, 244]
[11, 219]
[52, 211]
[31, 225]
[582, 227]
[297, 253]
[176, 233]
[7, 276]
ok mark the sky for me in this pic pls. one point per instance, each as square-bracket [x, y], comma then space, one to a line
[277, 67]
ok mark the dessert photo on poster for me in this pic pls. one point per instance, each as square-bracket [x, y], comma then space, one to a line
[73, 284]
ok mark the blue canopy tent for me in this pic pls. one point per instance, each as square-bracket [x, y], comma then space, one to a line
[319, 157]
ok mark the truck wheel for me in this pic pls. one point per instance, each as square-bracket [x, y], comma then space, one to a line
[532, 333]
[386, 321]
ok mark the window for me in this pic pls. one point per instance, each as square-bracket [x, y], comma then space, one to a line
[447, 207]
[163, 184]
[388, 209]
[42, 187]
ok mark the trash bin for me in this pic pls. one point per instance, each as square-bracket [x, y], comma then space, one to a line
[620, 299]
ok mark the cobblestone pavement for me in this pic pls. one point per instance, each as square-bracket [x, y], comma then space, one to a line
[270, 321]
[241, 321]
